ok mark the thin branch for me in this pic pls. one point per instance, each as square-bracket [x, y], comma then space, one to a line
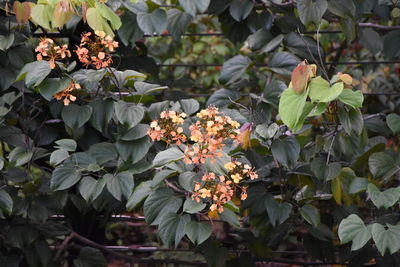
[337, 58]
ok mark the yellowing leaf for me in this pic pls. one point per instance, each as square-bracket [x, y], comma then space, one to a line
[346, 78]
[22, 11]
[62, 14]
[300, 77]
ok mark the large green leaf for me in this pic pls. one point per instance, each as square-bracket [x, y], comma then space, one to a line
[385, 199]
[283, 63]
[386, 238]
[178, 22]
[353, 229]
[352, 98]
[103, 152]
[393, 121]
[230, 217]
[90, 188]
[6, 41]
[291, 107]
[50, 86]
[172, 228]
[154, 22]
[277, 212]
[108, 14]
[234, 69]
[390, 44]
[129, 114]
[34, 73]
[135, 133]
[129, 32]
[194, 6]
[97, 22]
[198, 232]
[382, 165]
[223, 97]
[20, 156]
[311, 214]
[311, 11]
[240, 9]
[120, 185]
[342, 8]
[321, 91]
[351, 120]
[286, 151]
[159, 203]
[76, 116]
[102, 112]
[6, 202]
[140, 193]
[191, 206]
[166, 156]
[64, 177]
[133, 151]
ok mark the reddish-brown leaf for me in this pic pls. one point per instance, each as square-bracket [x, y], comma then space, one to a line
[300, 77]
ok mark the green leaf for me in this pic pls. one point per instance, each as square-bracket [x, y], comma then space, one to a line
[390, 44]
[311, 214]
[76, 116]
[64, 177]
[186, 180]
[240, 9]
[291, 106]
[20, 156]
[178, 22]
[341, 183]
[120, 185]
[191, 206]
[155, 21]
[286, 151]
[371, 40]
[159, 203]
[102, 113]
[67, 144]
[320, 91]
[358, 185]
[352, 98]
[172, 228]
[189, 106]
[140, 193]
[351, 120]
[385, 199]
[194, 6]
[6, 41]
[167, 156]
[277, 212]
[103, 152]
[342, 8]
[230, 217]
[6, 202]
[386, 239]
[90, 257]
[90, 188]
[353, 229]
[58, 156]
[311, 11]
[222, 97]
[129, 32]
[234, 69]
[42, 15]
[283, 63]
[198, 232]
[382, 165]
[325, 172]
[50, 86]
[97, 22]
[129, 114]
[393, 121]
[133, 151]
[108, 14]
[34, 73]
[137, 132]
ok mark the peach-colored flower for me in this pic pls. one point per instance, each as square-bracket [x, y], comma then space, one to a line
[66, 93]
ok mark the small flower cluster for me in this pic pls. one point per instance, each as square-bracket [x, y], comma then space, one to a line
[96, 51]
[48, 50]
[239, 171]
[218, 190]
[209, 134]
[167, 128]
[66, 93]
[221, 190]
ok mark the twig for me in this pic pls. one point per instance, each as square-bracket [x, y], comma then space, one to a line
[64, 244]
[336, 58]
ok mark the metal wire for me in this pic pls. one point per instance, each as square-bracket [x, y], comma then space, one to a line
[206, 65]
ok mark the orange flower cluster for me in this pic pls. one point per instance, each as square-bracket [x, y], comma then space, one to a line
[239, 171]
[66, 93]
[49, 51]
[218, 190]
[167, 128]
[96, 51]
[209, 134]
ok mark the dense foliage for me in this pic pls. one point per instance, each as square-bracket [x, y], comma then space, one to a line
[278, 118]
